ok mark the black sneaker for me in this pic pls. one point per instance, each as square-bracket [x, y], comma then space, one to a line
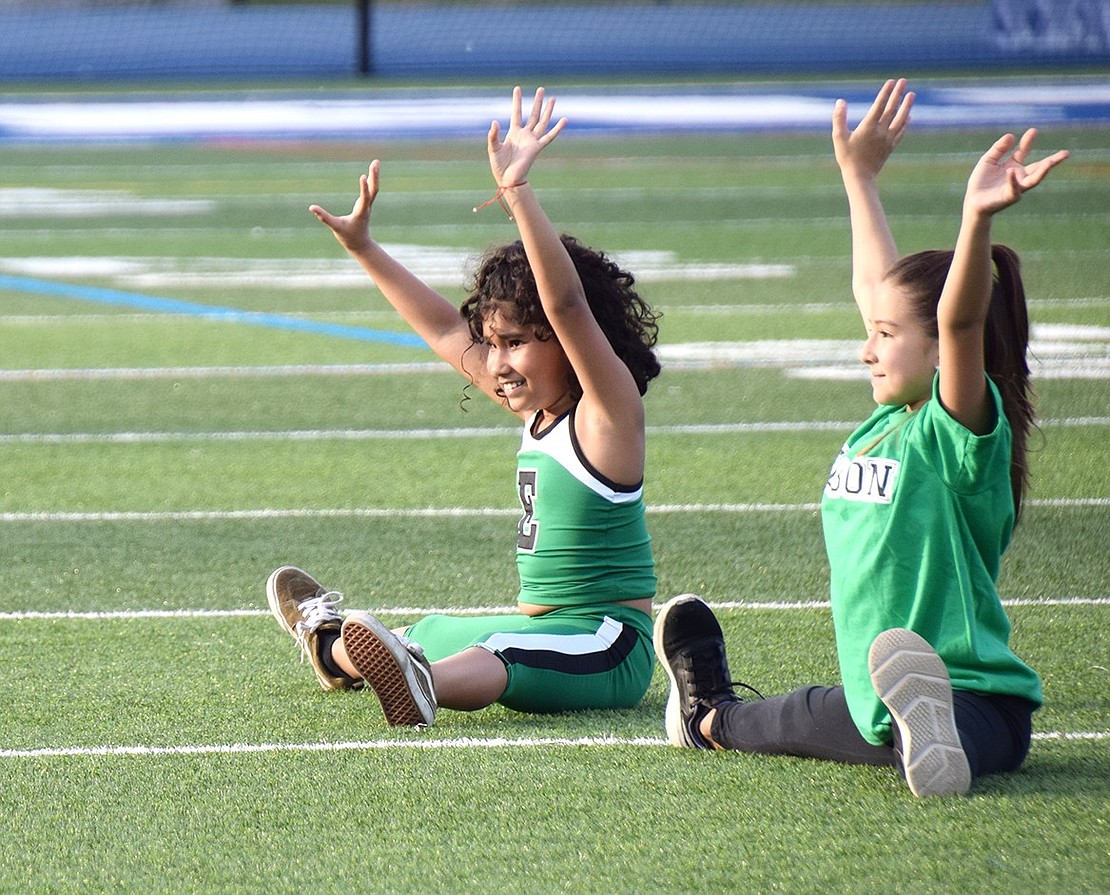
[691, 647]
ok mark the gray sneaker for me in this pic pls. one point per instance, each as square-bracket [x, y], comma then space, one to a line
[304, 608]
[394, 667]
[911, 680]
[691, 648]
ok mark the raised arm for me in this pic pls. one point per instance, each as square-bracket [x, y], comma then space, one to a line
[861, 154]
[610, 416]
[432, 316]
[999, 179]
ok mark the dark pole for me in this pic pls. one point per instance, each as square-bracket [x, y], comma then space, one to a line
[365, 63]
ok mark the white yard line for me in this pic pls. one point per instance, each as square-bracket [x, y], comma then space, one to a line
[410, 611]
[433, 512]
[264, 372]
[153, 751]
[404, 744]
[459, 432]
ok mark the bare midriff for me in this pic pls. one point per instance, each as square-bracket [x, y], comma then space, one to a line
[533, 609]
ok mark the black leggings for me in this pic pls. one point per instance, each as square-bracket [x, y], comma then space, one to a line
[813, 722]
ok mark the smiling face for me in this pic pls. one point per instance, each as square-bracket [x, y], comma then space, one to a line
[532, 373]
[901, 355]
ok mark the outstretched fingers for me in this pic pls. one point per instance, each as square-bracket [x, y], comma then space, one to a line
[1024, 146]
[999, 148]
[900, 118]
[536, 117]
[1002, 175]
[865, 149]
[1023, 175]
[554, 131]
[891, 107]
[353, 229]
[539, 119]
[493, 138]
[1036, 172]
[1032, 174]
[370, 181]
[515, 115]
[887, 97]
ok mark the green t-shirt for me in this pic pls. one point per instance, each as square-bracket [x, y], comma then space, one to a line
[917, 513]
[581, 539]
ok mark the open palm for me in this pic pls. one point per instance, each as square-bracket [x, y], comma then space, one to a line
[511, 158]
[999, 180]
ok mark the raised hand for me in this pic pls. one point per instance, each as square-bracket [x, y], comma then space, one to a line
[353, 230]
[1001, 177]
[864, 151]
[511, 158]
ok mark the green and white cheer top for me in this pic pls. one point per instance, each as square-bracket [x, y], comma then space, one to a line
[582, 539]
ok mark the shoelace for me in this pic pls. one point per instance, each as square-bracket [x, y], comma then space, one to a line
[749, 687]
[718, 687]
[315, 611]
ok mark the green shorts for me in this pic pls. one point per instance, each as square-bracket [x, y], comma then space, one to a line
[574, 658]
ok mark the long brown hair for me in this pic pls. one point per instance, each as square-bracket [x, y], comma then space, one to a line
[1005, 338]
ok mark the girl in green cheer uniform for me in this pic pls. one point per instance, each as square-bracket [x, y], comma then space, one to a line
[556, 333]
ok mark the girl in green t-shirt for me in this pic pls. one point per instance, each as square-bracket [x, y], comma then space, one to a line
[918, 508]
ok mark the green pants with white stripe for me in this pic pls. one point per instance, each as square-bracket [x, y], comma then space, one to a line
[573, 658]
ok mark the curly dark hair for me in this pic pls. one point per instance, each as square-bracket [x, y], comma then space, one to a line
[504, 282]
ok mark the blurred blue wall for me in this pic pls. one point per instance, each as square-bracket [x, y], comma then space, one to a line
[243, 41]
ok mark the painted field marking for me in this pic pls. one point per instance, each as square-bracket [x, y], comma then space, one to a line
[205, 312]
[443, 113]
[435, 265]
[406, 744]
[450, 433]
[435, 512]
[420, 611]
[85, 374]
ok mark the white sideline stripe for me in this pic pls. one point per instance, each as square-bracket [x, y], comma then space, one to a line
[415, 744]
[439, 512]
[89, 373]
[408, 611]
[292, 435]
[369, 314]
[218, 515]
[1085, 357]
[459, 432]
[438, 266]
[360, 746]
[1085, 365]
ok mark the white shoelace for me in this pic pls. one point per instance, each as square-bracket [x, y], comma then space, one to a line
[315, 611]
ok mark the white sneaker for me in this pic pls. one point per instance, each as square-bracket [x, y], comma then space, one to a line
[911, 680]
[394, 667]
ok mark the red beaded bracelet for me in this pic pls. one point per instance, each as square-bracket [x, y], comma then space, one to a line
[499, 197]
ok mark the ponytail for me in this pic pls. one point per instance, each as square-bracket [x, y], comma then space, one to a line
[1005, 338]
[1005, 346]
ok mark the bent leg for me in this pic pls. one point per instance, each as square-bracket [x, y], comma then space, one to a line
[469, 680]
[994, 730]
[565, 660]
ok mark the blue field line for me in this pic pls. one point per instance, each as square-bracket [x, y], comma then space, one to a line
[207, 312]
